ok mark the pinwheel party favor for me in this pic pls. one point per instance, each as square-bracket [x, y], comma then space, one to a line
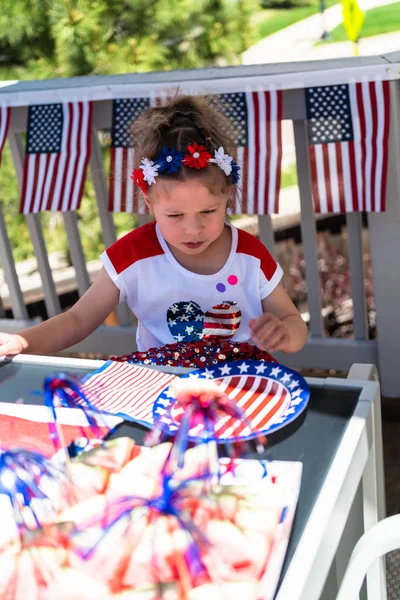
[63, 390]
[201, 404]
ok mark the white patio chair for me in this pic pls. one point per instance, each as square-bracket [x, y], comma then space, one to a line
[382, 538]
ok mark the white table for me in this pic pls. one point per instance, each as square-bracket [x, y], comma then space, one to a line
[342, 489]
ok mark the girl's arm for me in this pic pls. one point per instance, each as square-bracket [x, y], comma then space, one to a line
[280, 327]
[67, 328]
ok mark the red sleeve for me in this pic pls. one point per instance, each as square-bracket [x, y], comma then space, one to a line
[248, 244]
[137, 245]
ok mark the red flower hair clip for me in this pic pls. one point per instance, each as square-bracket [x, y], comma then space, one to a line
[198, 157]
[138, 179]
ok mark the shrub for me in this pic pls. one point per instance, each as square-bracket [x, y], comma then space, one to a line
[284, 3]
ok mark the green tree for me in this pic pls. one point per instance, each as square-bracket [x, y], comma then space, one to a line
[25, 32]
[285, 3]
[65, 38]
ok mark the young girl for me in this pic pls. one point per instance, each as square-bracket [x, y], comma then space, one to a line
[189, 275]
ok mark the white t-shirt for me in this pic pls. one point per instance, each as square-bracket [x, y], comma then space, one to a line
[173, 304]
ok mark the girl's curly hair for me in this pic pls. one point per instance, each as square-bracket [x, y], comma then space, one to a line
[181, 122]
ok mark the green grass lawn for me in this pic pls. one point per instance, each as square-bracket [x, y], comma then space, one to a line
[377, 21]
[289, 176]
[270, 21]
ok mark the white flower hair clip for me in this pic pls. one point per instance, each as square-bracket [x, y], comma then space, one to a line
[224, 161]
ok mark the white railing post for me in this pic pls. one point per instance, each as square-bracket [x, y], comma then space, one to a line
[384, 232]
[76, 251]
[107, 223]
[10, 272]
[357, 274]
[266, 233]
[308, 229]
[51, 299]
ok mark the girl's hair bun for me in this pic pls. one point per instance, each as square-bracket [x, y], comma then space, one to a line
[180, 122]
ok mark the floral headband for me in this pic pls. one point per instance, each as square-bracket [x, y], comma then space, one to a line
[170, 160]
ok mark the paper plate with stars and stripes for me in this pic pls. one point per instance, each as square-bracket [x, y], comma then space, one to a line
[270, 394]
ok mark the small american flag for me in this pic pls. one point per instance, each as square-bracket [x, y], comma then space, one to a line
[57, 155]
[121, 388]
[348, 132]
[123, 195]
[5, 113]
[256, 119]
[256, 130]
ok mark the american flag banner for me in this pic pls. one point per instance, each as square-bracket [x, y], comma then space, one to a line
[123, 195]
[5, 113]
[256, 119]
[348, 135]
[124, 389]
[57, 156]
[256, 130]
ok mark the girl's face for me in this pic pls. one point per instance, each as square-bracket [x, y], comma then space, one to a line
[189, 216]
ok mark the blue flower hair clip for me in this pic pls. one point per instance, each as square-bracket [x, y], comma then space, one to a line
[235, 172]
[169, 160]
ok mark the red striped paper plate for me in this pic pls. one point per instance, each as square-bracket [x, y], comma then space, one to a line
[271, 396]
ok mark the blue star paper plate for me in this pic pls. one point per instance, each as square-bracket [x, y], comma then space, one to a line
[271, 396]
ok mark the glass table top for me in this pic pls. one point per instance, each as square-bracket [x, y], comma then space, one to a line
[312, 438]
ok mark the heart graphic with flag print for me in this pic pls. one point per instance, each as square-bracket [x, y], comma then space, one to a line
[188, 323]
[185, 321]
[222, 320]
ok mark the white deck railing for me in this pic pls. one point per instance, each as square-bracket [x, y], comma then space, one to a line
[384, 229]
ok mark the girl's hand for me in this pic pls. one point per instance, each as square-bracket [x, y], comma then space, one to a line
[269, 332]
[11, 344]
